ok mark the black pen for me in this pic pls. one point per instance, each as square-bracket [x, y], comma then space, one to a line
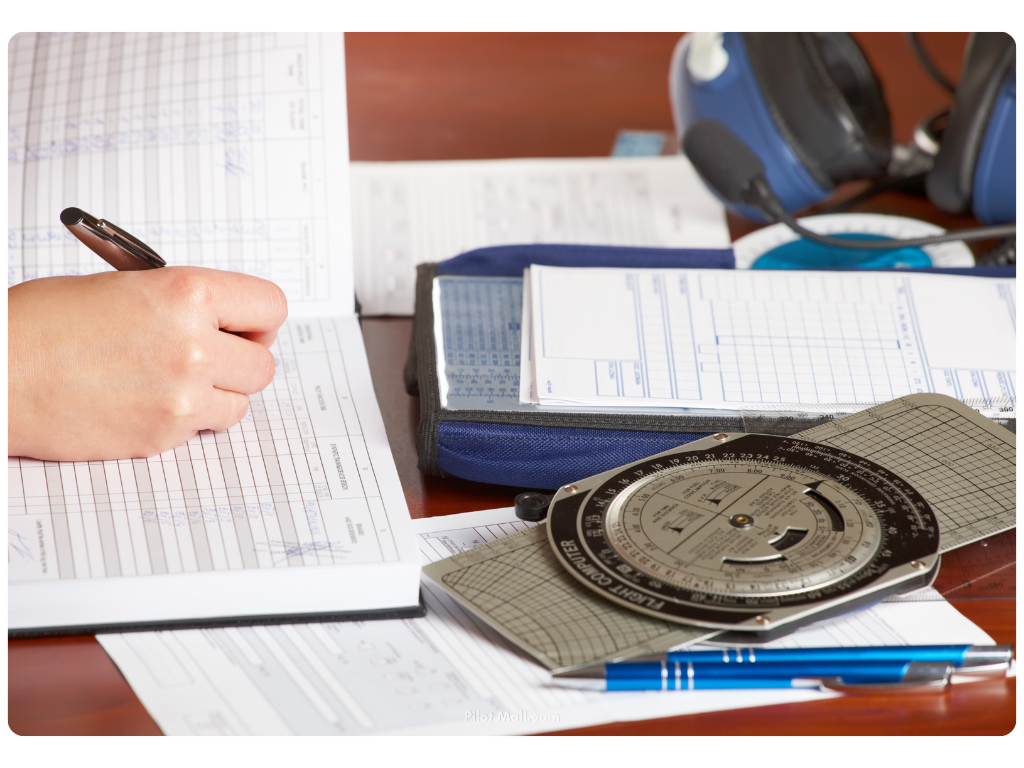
[119, 249]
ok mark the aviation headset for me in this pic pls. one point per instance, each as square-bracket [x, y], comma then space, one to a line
[811, 113]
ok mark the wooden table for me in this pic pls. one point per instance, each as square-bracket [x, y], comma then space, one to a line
[451, 96]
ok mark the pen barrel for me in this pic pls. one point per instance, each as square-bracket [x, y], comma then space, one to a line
[950, 654]
[670, 676]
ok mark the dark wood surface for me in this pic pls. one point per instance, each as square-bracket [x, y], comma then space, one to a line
[461, 95]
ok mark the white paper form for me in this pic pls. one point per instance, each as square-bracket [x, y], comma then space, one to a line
[728, 339]
[218, 150]
[480, 346]
[245, 521]
[446, 673]
[406, 214]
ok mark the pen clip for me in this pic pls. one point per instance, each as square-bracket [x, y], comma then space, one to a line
[921, 678]
[111, 243]
[837, 685]
[130, 243]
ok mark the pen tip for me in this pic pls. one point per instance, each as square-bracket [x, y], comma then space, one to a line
[592, 672]
[69, 217]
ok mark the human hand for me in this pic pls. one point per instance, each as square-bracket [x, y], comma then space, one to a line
[130, 364]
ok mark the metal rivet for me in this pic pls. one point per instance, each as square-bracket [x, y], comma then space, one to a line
[763, 620]
[570, 488]
[720, 437]
[920, 565]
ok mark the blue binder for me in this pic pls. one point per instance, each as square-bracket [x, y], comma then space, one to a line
[545, 450]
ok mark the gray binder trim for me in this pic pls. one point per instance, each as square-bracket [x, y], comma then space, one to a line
[422, 349]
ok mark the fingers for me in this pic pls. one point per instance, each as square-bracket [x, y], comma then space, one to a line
[232, 301]
[266, 338]
[222, 409]
[240, 365]
[248, 304]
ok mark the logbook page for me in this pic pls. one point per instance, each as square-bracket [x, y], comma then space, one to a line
[223, 150]
[227, 151]
[305, 482]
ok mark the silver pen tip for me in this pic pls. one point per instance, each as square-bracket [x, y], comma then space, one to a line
[588, 678]
[983, 655]
[589, 672]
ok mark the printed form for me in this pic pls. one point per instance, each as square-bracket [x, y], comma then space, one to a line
[734, 339]
[227, 151]
[217, 150]
[410, 213]
[446, 673]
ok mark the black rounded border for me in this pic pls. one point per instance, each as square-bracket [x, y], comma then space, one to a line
[580, 542]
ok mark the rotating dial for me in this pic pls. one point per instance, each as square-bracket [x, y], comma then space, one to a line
[743, 528]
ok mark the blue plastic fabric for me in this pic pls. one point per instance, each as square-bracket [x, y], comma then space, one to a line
[543, 457]
[511, 260]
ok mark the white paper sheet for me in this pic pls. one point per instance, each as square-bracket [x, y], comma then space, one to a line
[446, 673]
[406, 214]
[811, 341]
[217, 150]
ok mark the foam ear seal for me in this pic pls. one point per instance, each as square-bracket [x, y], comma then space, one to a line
[825, 100]
[989, 58]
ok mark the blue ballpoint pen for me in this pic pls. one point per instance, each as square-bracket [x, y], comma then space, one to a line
[844, 676]
[960, 656]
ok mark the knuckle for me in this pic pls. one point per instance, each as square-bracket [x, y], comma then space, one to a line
[179, 406]
[177, 415]
[191, 286]
[193, 357]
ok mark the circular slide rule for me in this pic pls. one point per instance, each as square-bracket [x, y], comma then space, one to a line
[752, 533]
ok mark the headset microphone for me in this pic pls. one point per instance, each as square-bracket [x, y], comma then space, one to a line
[737, 175]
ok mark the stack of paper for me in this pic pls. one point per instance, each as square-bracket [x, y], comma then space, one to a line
[759, 340]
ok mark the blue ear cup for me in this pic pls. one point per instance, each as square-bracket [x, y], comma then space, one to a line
[808, 104]
[995, 177]
[711, 77]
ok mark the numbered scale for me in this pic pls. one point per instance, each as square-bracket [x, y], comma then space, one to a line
[752, 533]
